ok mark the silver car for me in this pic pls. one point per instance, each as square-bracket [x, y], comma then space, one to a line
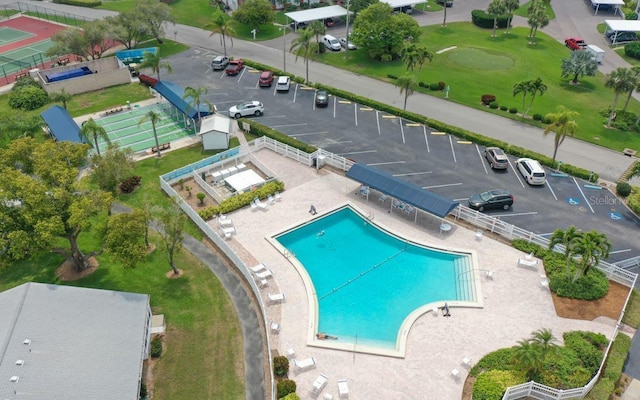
[247, 108]
[343, 43]
[496, 158]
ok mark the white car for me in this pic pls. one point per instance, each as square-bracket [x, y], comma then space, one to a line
[343, 43]
[247, 108]
[283, 83]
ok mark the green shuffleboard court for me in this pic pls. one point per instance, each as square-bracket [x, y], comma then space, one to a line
[10, 35]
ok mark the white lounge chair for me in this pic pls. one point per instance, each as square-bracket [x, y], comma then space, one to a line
[531, 264]
[264, 274]
[489, 275]
[466, 362]
[456, 374]
[260, 205]
[276, 298]
[227, 232]
[319, 384]
[254, 206]
[290, 352]
[305, 364]
[479, 235]
[258, 268]
[343, 389]
[224, 221]
[275, 327]
[277, 196]
[270, 199]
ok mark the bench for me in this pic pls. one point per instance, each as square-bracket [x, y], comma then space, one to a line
[63, 61]
[629, 152]
[22, 75]
[163, 146]
[113, 110]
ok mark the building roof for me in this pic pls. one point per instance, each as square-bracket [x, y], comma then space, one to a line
[75, 343]
[403, 3]
[173, 93]
[404, 191]
[216, 123]
[61, 125]
[623, 25]
[315, 14]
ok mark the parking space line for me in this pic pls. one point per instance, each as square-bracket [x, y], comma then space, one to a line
[355, 112]
[241, 74]
[516, 173]
[452, 150]
[314, 100]
[358, 152]
[551, 190]
[388, 163]
[444, 185]
[424, 129]
[402, 132]
[313, 133]
[335, 105]
[583, 195]
[344, 102]
[482, 160]
[285, 126]
[620, 251]
[366, 109]
[414, 173]
[515, 214]
[378, 122]
[461, 199]
[295, 93]
[464, 142]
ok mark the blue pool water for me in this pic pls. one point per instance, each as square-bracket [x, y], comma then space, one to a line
[367, 281]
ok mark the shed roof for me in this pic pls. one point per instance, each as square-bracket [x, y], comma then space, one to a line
[315, 14]
[215, 123]
[61, 125]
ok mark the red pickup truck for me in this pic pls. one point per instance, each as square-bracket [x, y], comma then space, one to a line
[234, 67]
[575, 43]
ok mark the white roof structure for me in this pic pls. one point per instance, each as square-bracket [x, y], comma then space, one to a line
[403, 3]
[623, 25]
[615, 3]
[216, 123]
[315, 14]
[71, 343]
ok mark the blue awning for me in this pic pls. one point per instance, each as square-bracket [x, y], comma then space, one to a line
[173, 93]
[404, 191]
[61, 125]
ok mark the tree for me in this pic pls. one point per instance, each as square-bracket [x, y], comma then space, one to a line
[496, 8]
[112, 167]
[96, 36]
[154, 118]
[414, 56]
[563, 123]
[591, 247]
[407, 85]
[154, 14]
[528, 357]
[543, 338]
[359, 5]
[155, 63]
[46, 205]
[124, 238]
[255, 13]
[16, 125]
[304, 46]
[194, 99]
[444, 10]
[127, 28]
[171, 224]
[538, 18]
[68, 41]
[510, 6]
[90, 130]
[580, 63]
[521, 87]
[223, 24]
[61, 97]
[620, 80]
[319, 29]
[566, 238]
[635, 83]
[535, 86]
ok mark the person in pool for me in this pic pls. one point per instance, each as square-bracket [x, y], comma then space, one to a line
[324, 336]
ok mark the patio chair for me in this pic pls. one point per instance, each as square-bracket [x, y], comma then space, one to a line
[227, 232]
[455, 374]
[277, 196]
[408, 209]
[328, 396]
[343, 389]
[264, 274]
[270, 199]
[276, 298]
[302, 365]
[466, 362]
[260, 205]
[489, 275]
[479, 235]
[319, 384]
[382, 198]
[290, 352]
[258, 268]
[530, 264]
[275, 327]
[544, 284]
[397, 204]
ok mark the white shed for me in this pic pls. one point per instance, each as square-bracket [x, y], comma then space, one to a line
[215, 131]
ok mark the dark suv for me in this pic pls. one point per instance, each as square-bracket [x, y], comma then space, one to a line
[496, 198]
[623, 36]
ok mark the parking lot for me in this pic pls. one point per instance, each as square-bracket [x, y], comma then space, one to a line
[433, 160]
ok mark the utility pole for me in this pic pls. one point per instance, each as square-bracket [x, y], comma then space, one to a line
[347, 37]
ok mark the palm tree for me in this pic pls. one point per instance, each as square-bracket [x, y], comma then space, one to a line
[154, 118]
[563, 123]
[591, 247]
[62, 97]
[90, 130]
[538, 18]
[444, 20]
[407, 85]
[635, 70]
[581, 62]
[195, 96]
[319, 29]
[521, 87]
[535, 86]
[303, 46]
[414, 56]
[154, 62]
[223, 24]
[496, 8]
[568, 239]
[621, 80]
[510, 6]
[543, 338]
[528, 356]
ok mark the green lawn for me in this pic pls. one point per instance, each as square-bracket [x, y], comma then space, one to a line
[524, 10]
[502, 62]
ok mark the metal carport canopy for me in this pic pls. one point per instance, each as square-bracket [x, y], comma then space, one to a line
[619, 25]
[316, 14]
[616, 3]
[407, 192]
[403, 3]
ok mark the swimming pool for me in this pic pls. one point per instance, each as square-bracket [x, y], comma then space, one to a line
[367, 281]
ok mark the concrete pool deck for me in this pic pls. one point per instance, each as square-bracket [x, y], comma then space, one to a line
[514, 303]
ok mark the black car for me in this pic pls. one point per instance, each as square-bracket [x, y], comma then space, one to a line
[496, 198]
[322, 98]
[448, 3]
[622, 36]
[298, 25]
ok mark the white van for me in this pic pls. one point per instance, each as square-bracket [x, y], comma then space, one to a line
[532, 171]
[331, 43]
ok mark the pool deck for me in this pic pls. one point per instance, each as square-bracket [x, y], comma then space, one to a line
[514, 304]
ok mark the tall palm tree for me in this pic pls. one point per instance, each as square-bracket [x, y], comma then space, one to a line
[496, 8]
[510, 6]
[591, 247]
[319, 29]
[521, 87]
[444, 19]
[535, 86]
[90, 130]
[563, 123]
[407, 84]
[154, 118]
[528, 357]
[223, 24]
[568, 239]
[414, 56]
[581, 62]
[195, 99]
[62, 97]
[635, 71]
[155, 63]
[538, 18]
[304, 46]
[620, 80]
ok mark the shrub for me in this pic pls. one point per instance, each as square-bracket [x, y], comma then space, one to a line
[491, 385]
[24, 81]
[392, 76]
[546, 120]
[441, 85]
[487, 99]
[494, 105]
[143, 391]
[633, 201]
[292, 8]
[537, 117]
[291, 396]
[156, 347]
[285, 387]
[201, 196]
[130, 184]
[513, 110]
[28, 98]
[623, 189]
[280, 365]
[632, 50]
[503, 108]
[147, 80]
[589, 352]
[79, 3]
[434, 86]
[631, 16]
[592, 286]
[483, 20]
[423, 85]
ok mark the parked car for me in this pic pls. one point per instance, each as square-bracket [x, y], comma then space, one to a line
[266, 79]
[283, 83]
[622, 36]
[219, 63]
[329, 22]
[234, 67]
[298, 25]
[491, 199]
[343, 43]
[407, 9]
[322, 98]
[331, 43]
[247, 108]
[496, 157]
[448, 3]
[575, 43]
[532, 171]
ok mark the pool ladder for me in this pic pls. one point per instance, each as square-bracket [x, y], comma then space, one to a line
[370, 215]
[288, 254]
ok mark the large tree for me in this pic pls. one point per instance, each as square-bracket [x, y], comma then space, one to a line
[154, 14]
[43, 205]
[91, 131]
[538, 18]
[15, 125]
[154, 63]
[68, 41]
[193, 97]
[383, 34]
[590, 247]
[580, 63]
[496, 9]
[152, 117]
[255, 13]
[358, 5]
[563, 124]
[171, 224]
[112, 167]
[304, 47]
[567, 238]
[125, 238]
[408, 85]
[221, 23]
[621, 80]
[97, 35]
[128, 28]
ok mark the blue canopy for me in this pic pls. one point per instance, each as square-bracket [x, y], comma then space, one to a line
[62, 126]
[173, 93]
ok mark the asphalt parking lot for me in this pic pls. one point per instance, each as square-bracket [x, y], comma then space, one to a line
[435, 161]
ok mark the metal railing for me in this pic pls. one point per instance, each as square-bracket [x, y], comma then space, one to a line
[48, 14]
[629, 262]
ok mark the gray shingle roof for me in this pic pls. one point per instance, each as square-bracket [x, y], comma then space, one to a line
[84, 343]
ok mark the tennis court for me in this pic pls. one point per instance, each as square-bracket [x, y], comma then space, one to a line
[10, 35]
[123, 129]
[28, 56]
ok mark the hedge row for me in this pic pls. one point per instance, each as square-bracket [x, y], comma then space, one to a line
[257, 129]
[241, 200]
[80, 3]
[483, 20]
[612, 370]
